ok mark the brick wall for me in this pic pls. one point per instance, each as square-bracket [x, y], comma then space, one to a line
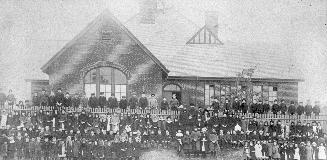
[118, 48]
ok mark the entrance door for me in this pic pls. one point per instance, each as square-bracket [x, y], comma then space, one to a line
[171, 89]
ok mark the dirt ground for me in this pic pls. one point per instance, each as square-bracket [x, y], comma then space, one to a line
[171, 155]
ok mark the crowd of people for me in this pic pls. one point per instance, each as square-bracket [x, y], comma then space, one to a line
[62, 134]
[60, 99]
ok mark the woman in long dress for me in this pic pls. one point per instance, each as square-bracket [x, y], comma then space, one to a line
[275, 151]
[309, 151]
[296, 152]
[322, 152]
[258, 150]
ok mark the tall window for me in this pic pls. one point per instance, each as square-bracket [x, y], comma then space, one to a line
[209, 93]
[107, 80]
[272, 94]
[257, 93]
[171, 89]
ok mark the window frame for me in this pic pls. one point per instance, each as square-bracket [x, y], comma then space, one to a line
[112, 82]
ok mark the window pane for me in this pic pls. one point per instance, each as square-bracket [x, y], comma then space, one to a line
[91, 76]
[90, 88]
[120, 77]
[123, 88]
[206, 94]
[105, 71]
[117, 88]
[105, 79]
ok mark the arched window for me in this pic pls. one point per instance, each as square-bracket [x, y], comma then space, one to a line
[171, 89]
[105, 79]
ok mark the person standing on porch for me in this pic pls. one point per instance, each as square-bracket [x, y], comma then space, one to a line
[143, 101]
[102, 100]
[174, 103]
[112, 101]
[153, 103]
[44, 98]
[11, 98]
[133, 101]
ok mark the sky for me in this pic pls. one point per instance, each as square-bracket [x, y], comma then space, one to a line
[32, 31]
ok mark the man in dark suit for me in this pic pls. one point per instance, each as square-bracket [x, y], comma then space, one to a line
[123, 103]
[215, 104]
[143, 101]
[93, 101]
[316, 108]
[275, 108]
[112, 101]
[102, 100]
[300, 109]
[35, 99]
[133, 101]
[283, 107]
[236, 105]
[44, 98]
[67, 100]
[292, 108]
[59, 98]
[308, 108]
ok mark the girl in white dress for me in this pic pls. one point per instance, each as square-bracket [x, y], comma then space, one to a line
[258, 150]
[296, 152]
[322, 152]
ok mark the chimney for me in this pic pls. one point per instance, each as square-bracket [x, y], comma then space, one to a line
[211, 21]
[148, 9]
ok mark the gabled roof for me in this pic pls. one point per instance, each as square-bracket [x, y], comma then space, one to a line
[105, 14]
[167, 40]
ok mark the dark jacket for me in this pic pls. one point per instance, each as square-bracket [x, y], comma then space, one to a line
[112, 102]
[93, 102]
[133, 102]
[102, 101]
[123, 103]
[143, 102]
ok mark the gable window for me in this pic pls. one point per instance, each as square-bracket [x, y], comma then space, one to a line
[105, 79]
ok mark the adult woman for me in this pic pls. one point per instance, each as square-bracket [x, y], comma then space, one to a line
[322, 152]
[275, 151]
[309, 151]
[296, 152]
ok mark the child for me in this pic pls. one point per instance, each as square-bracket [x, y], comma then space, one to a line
[296, 152]
[246, 151]
[19, 147]
[264, 150]
[26, 148]
[179, 137]
[252, 151]
[54, 148]
[187, 146]
[322, 152]
[38, 150]
[46, 148]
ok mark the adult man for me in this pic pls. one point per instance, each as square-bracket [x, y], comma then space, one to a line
[164, 104]
[11, 98]
[266, 107]
[244, 106]
[133, 101]
[174, 103]
[275, 108]
[76, 101]
[300, 109]
[93, 102]
[143, 101]
[227, 106]
[236, 105]
[35, 99]
[308, 108]
[44, 98]
[123, 103]
[215, 105]
[260, 108]
[292, 108]
[316, 108]
[102, 100]
[67, 100]
[153, 103]
[112, 101]
[59, 97]
[283, 107]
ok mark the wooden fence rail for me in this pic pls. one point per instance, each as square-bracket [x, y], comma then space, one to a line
[165, 113]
